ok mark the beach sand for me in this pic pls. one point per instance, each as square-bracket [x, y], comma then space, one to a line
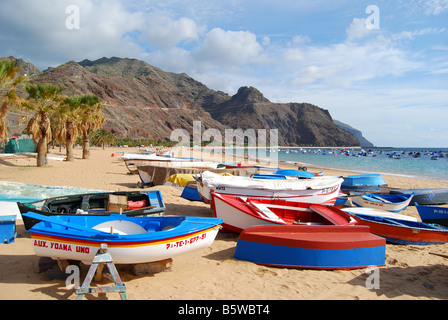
[411, 272]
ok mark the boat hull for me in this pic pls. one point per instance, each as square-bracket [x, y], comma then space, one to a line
[432, 214]
[434, 196]
[387, 202]
[239, 214]
[193, 234]
[324, 191]
[378, 213]
[404, 232]
[311, 247]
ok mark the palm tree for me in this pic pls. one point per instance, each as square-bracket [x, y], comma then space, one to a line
[103, 137]
[70, 113]
[43, 99]
[91, 119]
[8, 96]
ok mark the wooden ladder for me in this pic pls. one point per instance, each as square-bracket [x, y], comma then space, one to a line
[102, 257]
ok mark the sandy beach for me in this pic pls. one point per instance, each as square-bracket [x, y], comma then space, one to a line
[411, 272]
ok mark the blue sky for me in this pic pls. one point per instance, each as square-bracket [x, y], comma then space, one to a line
[384, 74]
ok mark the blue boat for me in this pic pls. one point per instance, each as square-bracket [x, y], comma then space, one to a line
[129, 240]
[311, 247]
[429, 196]
[131, 203]
[363, 182]
[433, 214]
[295, 173]
[268, 176]
[190, 192]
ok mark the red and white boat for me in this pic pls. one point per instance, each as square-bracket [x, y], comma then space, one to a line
[320, 190]
[239, 213]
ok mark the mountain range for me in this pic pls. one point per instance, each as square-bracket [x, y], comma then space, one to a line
[143, 101]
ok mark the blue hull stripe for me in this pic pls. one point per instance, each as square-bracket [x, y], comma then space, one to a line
[264, 253]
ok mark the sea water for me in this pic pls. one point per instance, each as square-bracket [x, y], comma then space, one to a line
[425, 163]
[14, 191]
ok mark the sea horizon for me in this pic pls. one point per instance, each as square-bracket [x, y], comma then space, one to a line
[427, 163]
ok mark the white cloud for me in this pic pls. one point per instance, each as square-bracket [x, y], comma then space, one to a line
[435, 7]
[228, 48]
[166, 32]
[37, 30]
[357, 29]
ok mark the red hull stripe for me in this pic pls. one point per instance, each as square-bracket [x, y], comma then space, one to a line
[112, 243]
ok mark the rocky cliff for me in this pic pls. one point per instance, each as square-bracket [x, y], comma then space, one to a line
[142, 101]
[297, 123]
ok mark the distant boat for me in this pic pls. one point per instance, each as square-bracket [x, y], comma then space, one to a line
[432, 214]
[319, 190]
[129, 240]
[403, 231]
[130, 203]
[311, 247]
[387, 202]
[239, 213]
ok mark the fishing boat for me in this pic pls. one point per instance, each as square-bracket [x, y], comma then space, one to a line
[428, 196]
[319, 190]
[433, 214]
[130, 240]
[186, 184]
[403, 231]
[130, 203]
[311, 247]
[133, 164]
[295, 173]
[157, 175]
[363, 183]
[387, 202]
[152, 156]
[239, 213]
[378, 213]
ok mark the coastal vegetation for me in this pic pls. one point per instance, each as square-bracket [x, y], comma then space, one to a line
[51, 116]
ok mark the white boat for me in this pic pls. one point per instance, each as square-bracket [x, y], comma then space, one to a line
[379, 213]
[387, 202]
[319, 190]
[129, 240]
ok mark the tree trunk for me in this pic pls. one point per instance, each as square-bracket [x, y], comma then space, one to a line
[86, 147]
[42, 152]
[69, 147]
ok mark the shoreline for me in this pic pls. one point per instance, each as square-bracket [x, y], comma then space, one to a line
[411, 272]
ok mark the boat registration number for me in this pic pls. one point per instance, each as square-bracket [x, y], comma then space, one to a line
[185, 242]
[61, 246]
